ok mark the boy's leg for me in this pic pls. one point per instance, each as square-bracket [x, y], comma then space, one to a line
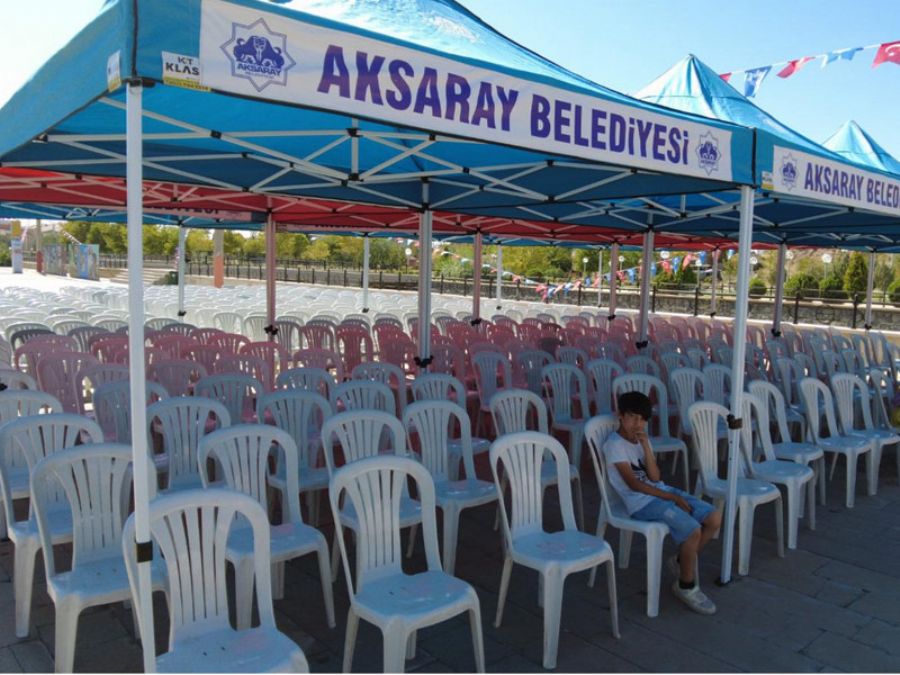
[687, 558]
[683, 529]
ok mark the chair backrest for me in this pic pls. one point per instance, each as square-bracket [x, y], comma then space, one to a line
[527, 365]
[112, 407]
[602, 372]
[191, 529]
[363, 395]
[492, 372]
[756, 423]
[717, 383]
[241, 453]
[773, 400]
[57, 375]
[438, 387]
[361, 434]
[355, 346]
[317, 334]
[230, 343]
[642, 364]
[15, 403]
[435, 423]
[849, 389]
[248, 365]
[596, 432]
[807, 364]
[374, 487]
[564, 382]
[299, 412]
[318, 380]
[833, 363]
[516, 410]
[448, 359]
[183, 421]
[706, 418]
[573, 356]
[652, 387]
[254, 326]
[272, 354]
[522, 456]
[236, 391]
[95, 480]
[91, 377]
[686, 386]
[817, 399]
[387, 374]
[176, 376]
[326, 359]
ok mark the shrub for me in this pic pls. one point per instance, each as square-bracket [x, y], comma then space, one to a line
[857, 275]
[800, 282]
[894, 292]
[832, 288]
[758, 287]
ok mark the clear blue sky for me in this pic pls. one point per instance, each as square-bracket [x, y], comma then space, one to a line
[624, 44]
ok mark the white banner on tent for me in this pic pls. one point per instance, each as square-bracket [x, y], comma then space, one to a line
[261, 54]
[804, 175]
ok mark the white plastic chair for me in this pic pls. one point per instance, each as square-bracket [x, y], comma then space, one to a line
[554, 555]
[803, 453]
[602, 372]
[242, 454]
[318, 380]
[183, 421]
[661, 442]
[613, 512]
[705, 419]
[818, 402]
[850, 393]
[382, 594]
[32, 439]
[433, 423]
[236, 391]
[363, 395]
[797, 480]
[95, 482]
[192, 529]
[492, 373]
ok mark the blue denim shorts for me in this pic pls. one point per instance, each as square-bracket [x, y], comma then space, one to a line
[681, 524]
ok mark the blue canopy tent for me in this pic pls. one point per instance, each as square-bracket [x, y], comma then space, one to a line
[419, 105]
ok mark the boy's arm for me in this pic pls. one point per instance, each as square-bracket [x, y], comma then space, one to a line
[649, 458]
[624, 469]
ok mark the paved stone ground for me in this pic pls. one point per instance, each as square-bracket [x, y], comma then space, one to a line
[831, 605]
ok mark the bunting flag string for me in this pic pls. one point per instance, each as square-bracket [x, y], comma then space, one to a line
[886, 52]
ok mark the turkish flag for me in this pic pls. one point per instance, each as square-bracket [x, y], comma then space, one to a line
[793, 66]
[889, 51]
[725, 76]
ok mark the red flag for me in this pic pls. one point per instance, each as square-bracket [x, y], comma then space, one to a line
[889, 51]
[794, 66]
[725, 76]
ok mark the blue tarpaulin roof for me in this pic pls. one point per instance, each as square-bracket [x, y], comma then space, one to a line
[852, 141]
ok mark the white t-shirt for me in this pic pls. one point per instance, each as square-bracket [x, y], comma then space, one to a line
[617, 449]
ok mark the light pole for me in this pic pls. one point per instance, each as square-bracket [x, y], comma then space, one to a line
[408, 253]
[584, 262]
[826, 259]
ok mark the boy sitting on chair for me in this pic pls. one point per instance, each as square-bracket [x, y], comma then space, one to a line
[692, 522]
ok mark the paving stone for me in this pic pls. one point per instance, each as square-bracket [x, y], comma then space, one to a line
[881, 605]
[120, 655]
[33, 656]
[852, 656]
[840, 594]
[8, 662]
[454, 649]
[576, 655]
[880, 635]
[516, 663]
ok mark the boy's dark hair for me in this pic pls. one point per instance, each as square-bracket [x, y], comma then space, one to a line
[635, 402]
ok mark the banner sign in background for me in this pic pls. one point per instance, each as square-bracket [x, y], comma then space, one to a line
[248, 52]
[87, 259]
[15, 248]
[805, 175]
[55, 259]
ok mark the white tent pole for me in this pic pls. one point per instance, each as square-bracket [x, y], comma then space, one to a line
[644, 316]
[739, 342]
[714, 284]
[142, 473]
[365, 273]
[779, 289]
[38, 247]
[870, 291]
[613, 281]
[599, 277]
[476, 278]
[182, 245]
[270, 275]
[499, 277]
[425, 224]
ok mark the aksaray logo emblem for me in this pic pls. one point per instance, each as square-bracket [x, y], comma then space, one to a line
[258, 54]
[708, 153]
[789, 171]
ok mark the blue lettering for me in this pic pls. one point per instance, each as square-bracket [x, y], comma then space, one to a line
[844, 178]
[507, 103]
[579, 138]
[616, 133]
[808, 179]
[659, 141]
[484, 106]
[458, 91]
[674, 154]
[870, 188]
[598, 129]
[561, 121]
[540, 116]
[643, 129]
[367, 77]
[427, 94]
[400, 99]
[334, 72]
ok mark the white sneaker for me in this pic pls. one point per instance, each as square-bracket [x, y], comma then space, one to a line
[694, 598]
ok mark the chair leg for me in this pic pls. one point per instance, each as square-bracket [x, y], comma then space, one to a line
[24, 558]
[553, 588]
[325, 578]
[873, 461]
[794, 502]
[613, 599]
[504, 587]
[67, 613]
[477, 637]
[243, 591]
[395, 642]
[654, 573]
[335, 556]
[350, 639]
[820, 477]
[278, 580]
[779, 525]
[451, 531]
[411, 545]
[687, 471]
[745, 537]
[411, 646]
[851, 478]
[810, 489]
[624, 548]
[579, 504]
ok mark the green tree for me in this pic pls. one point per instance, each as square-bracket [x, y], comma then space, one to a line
[291, 245]
[198, 241]
[255, 246]
[232, 243]
[856, 274]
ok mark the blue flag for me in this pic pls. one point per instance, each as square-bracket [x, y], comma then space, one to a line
[753, 79]
[676, 263]
[844, 54]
